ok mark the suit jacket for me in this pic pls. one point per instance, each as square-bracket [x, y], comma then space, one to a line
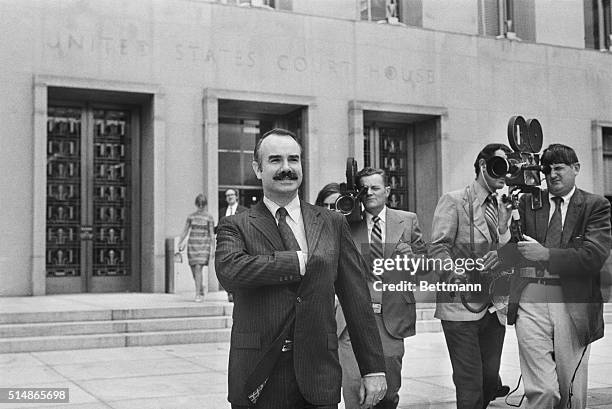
[252, 263]
[239, 209]
[398, 307]
[450, 239]
[585, 245]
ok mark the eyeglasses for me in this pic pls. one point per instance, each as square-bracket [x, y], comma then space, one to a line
[330, 206]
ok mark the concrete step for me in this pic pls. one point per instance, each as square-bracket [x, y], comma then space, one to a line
[425, 314]
[433, 325]
[117, 314]
[68, 342]
[113, 326]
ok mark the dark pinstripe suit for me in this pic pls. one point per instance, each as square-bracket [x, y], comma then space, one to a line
[252, 263]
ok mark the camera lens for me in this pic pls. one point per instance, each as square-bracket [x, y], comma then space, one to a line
[497, 167]
[345, 204]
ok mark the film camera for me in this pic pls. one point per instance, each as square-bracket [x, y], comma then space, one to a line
[350, 195]
[522, 168]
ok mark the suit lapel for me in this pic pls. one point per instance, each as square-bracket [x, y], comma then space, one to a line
[359, 232]
[393, 232]
[262, 220]
[542, 217]
[480, 223]
[312, 224]
[574, 209]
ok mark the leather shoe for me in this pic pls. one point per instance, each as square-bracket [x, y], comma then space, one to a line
[501, 391]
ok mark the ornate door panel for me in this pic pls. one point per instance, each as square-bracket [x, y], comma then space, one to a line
[89, 200]
[63, 251]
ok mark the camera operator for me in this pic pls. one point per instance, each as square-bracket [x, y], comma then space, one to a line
[382, 233]
[555, 300]
[474, 340]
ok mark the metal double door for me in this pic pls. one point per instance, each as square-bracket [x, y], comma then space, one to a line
[90, 234]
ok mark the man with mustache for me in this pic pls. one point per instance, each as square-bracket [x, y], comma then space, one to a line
[555, 300]
[283, 259]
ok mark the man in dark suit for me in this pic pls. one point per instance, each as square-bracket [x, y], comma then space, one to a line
[474, 339]
[233, 207]
[555, 299]
[283, 259]
[395, 312]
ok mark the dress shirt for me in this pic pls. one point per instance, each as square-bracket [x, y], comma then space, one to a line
[296, 224]
[564, 205]
[481, 197]
[382, 223]
[231, 209]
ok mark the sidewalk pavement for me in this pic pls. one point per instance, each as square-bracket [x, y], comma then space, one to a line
[195, 375]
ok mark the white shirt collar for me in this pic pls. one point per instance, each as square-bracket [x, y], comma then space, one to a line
[293, 207]
[382, 215]
[566, 198]
[481, 193]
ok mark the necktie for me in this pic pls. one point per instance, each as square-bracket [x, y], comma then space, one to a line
[376, 244]
[555, 226]
[492, 217]
[289, 240]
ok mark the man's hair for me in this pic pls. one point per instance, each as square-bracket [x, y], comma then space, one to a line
[488, 152]
[558, 153]
[369, 171]
[328, 190]
[233, 190]
[201, 200]
[275, 131]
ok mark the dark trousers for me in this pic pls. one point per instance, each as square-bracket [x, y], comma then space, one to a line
[282, 391]
[394, 382]
[393, 350]
[475, 349]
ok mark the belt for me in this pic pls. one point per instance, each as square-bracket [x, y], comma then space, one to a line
[532, 272]
[287, 345]
[377, 307]
[544, 281]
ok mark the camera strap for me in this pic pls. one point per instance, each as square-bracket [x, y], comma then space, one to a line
[471, 214]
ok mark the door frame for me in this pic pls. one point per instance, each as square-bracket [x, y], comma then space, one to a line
[151, 99]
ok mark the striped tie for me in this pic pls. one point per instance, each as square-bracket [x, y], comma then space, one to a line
[376, 244]
[491, 217]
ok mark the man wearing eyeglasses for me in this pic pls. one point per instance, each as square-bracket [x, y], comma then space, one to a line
[555, 299]
[233, 207]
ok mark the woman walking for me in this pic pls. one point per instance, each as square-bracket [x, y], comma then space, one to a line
[199, 227]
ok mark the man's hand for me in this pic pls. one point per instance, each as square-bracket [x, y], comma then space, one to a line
[532, 250]
[372, 390]
[403, 248]
[490, 260]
